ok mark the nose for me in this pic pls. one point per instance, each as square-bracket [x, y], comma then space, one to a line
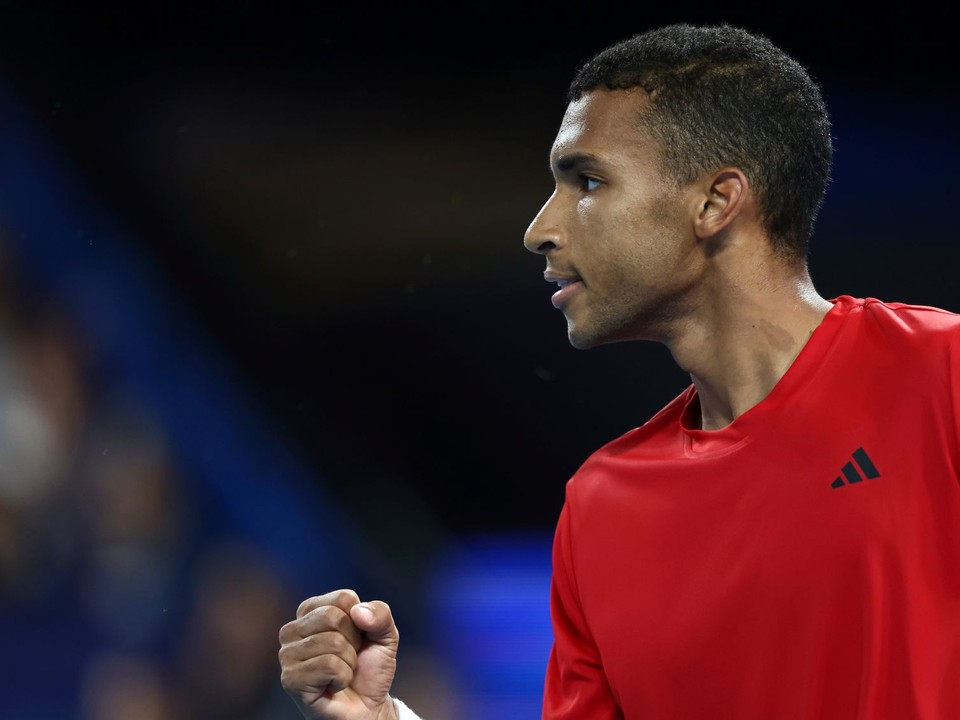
[543, 234]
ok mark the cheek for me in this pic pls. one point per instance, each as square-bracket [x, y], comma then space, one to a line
[604, 224]
[622, 241]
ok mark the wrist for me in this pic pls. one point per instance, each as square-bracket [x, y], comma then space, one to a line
[389, 710]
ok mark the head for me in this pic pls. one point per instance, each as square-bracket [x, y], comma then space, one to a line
[722, 96]
[697, 104]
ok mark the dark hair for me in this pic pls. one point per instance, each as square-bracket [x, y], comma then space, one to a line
[721, 95]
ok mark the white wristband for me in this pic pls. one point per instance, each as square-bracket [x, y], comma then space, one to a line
[405, 713]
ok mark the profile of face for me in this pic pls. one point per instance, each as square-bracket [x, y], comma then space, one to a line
[618, 237]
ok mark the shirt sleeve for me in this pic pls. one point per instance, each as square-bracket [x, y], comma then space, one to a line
[953, 381]
[575, 686]
[403, 712]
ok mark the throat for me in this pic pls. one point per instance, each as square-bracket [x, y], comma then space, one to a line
[737, 368]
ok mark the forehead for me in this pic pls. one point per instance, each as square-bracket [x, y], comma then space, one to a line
[604, 123]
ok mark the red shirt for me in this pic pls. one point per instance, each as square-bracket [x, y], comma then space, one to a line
[802, 562]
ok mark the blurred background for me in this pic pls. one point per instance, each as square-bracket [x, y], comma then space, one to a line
[267, 328]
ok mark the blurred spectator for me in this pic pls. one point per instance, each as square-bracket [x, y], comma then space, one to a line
[228, 661]
[126, 687]
[120, 595]
[42, 406]
[134, 510]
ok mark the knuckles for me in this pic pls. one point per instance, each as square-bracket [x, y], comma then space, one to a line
[317, 646]
[288, 679]
[319, 619]
[343, 599]
[288, 633]
[309, 604]
[330, 643]
[331, 666]
[321, 671]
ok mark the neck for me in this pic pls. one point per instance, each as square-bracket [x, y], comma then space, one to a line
[737, 344]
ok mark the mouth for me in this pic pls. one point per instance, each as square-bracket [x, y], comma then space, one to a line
[569, 284]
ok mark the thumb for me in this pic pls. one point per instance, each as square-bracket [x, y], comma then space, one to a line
[377, 656]
[376, 621]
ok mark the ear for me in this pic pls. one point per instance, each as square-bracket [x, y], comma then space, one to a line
[724, 197]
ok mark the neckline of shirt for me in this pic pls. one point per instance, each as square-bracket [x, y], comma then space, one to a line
[745, 428]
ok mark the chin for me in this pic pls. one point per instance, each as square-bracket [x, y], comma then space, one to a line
[583, 340]
[583, 337]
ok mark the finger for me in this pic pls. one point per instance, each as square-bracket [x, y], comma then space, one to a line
[323, 674]
[375, 619]
[343, 599]
[328, 643]
[326, 618]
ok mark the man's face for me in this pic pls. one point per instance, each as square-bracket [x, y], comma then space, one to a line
[618, 238]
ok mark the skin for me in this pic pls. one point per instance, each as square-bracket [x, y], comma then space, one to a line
[687, 266]
[338, 658]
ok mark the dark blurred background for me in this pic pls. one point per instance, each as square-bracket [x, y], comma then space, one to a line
[322, 208]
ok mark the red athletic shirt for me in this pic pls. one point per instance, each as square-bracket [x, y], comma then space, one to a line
[802, 562]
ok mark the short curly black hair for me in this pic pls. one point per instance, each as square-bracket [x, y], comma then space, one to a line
[724, 96]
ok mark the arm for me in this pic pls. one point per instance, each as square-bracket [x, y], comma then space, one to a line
[338, 658]
[576, 687]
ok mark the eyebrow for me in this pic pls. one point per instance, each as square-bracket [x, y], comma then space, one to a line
[573, 161]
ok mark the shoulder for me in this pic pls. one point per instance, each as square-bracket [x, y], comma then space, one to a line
[905, 317]
[658, 438]
[895, 344]
[656, 435]
[901, 324]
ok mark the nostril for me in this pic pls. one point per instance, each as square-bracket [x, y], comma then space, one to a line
[544, 247]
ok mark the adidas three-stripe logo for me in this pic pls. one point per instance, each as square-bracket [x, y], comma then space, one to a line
[849, 472]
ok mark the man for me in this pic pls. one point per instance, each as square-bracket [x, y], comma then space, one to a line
[783, 539]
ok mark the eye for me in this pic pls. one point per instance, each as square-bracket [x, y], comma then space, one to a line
[589, 184]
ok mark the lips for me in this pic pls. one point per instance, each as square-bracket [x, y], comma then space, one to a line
[569, 283]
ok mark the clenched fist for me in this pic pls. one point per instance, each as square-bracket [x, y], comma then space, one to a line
[339, 656]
